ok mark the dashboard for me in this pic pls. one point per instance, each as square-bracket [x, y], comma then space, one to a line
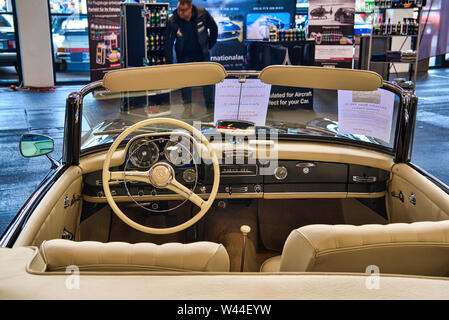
[245, 177]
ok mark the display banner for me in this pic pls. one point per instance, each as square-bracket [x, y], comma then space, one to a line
[104, 36]
[290, 98]
[331, 23]
[240, 20]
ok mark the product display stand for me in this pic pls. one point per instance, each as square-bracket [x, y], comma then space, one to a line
[143, 43]
[384, 30]
[143, 33]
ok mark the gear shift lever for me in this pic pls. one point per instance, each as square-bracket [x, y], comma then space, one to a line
[244, 230]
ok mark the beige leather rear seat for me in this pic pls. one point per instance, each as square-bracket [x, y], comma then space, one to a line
[420, 248]
[204, 256]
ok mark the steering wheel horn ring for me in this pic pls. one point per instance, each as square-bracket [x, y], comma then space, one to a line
[160, 175]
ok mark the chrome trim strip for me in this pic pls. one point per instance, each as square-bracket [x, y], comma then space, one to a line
[249, 195]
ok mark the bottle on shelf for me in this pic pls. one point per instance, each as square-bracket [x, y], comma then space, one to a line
[163, 17]
[411, 27]
[404, 31]
[388, 30]
[152, 18]
[157, 19]
[398, 28]
[416, 28]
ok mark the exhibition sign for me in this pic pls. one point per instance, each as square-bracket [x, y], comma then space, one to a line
[103, 17]
[331, 24]
[367, 113]
[250, 100]
[240, 20]
[247, 101]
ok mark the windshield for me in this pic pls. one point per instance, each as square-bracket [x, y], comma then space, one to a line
[357, 117]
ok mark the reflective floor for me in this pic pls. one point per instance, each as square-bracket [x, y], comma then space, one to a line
[22, 112]
[9, 75]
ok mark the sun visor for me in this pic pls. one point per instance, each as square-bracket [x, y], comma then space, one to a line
[164, 77]
[321, 78]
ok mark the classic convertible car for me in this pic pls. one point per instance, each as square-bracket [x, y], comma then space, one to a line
[266, 202]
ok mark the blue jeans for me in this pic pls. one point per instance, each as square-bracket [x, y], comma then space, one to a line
[208, 91]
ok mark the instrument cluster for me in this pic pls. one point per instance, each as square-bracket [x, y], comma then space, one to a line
[146, 151]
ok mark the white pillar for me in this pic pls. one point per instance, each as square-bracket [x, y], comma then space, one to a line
[35, 44]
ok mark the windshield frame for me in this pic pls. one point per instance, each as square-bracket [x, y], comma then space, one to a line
[402, 140]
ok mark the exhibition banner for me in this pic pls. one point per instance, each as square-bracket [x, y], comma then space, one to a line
[240, 20]
[283, 98]
[331, 24]
[103, 17]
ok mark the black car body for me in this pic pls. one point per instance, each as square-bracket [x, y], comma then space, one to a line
[345, 15]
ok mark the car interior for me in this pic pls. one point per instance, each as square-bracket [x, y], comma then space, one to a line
[324, 207]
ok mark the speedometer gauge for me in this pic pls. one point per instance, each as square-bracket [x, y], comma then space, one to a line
[178, 153]
[143, 153]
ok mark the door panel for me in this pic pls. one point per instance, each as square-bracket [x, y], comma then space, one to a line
[431, 202]
[54, 213]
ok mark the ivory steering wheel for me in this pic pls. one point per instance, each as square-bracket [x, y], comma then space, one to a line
[161, 175]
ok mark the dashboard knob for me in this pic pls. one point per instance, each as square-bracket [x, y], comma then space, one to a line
[281, 173]
[258, 188]
[189, 175]
[203, 189]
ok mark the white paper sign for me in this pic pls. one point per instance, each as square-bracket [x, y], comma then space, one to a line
[253, 96]
[368, 113]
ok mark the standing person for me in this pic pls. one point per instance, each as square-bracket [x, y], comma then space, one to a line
[193, 32]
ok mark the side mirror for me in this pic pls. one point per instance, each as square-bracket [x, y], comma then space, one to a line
[35, 145]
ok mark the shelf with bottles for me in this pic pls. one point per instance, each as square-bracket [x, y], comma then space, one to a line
[155, 41]
[287, 35]
[398, 4]
[156, 60]
[156, 16]
[98, 32]
[408, 27]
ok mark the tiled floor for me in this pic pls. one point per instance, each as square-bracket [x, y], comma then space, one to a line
[22, 112]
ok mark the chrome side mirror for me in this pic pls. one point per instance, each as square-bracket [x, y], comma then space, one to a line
[35, 145]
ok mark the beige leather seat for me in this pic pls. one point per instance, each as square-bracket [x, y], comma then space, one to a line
[202, 256]
[420, 248]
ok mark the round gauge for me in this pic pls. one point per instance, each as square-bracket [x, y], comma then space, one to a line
[280, 173]
[178, 153]
[189, 175]
[143, 153]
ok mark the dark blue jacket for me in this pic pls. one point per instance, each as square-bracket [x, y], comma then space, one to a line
[206, 29]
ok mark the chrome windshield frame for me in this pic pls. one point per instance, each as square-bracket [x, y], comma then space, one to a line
[402, 141]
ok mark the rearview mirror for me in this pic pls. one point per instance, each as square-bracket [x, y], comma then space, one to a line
[34, 145]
